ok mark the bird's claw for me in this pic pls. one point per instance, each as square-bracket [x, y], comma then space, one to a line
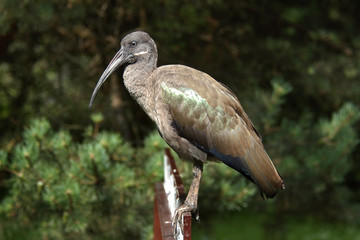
[177, 219]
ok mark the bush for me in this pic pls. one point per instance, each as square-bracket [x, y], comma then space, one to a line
[99, 188]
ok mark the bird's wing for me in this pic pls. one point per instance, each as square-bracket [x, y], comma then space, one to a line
[210, 116]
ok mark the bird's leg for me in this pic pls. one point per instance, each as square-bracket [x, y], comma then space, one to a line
[190, 203]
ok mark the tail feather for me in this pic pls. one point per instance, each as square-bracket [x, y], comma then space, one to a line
[257, 167]
[263, 171]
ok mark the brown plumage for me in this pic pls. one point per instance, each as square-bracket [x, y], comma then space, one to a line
[198, 117]
[217, 125]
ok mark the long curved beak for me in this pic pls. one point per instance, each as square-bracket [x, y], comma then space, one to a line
[118, 60]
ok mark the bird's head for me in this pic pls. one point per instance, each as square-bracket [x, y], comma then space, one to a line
[134, 47]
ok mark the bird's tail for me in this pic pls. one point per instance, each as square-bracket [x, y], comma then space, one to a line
[256, 166]
[262, 171]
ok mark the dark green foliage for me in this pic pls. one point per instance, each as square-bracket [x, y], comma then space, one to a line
[313, 156]
[100, 188]
[72, 190]
[318, 160]
[256, 225]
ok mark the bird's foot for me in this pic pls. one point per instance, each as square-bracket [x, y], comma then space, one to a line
[190, 204]
[186, 207]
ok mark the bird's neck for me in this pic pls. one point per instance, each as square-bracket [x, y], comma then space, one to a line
[138, 82]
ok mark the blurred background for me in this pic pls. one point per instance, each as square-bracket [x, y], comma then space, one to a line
[69, 172]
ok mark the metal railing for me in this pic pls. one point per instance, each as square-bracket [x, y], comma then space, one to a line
[168, 196]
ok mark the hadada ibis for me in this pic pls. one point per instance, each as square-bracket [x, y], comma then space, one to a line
[198, 117]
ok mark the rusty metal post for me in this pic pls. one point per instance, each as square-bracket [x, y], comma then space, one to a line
[168, 196]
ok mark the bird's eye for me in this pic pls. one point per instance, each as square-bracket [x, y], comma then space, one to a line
[133, 44]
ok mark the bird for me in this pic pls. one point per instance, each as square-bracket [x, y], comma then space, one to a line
[199, 118]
